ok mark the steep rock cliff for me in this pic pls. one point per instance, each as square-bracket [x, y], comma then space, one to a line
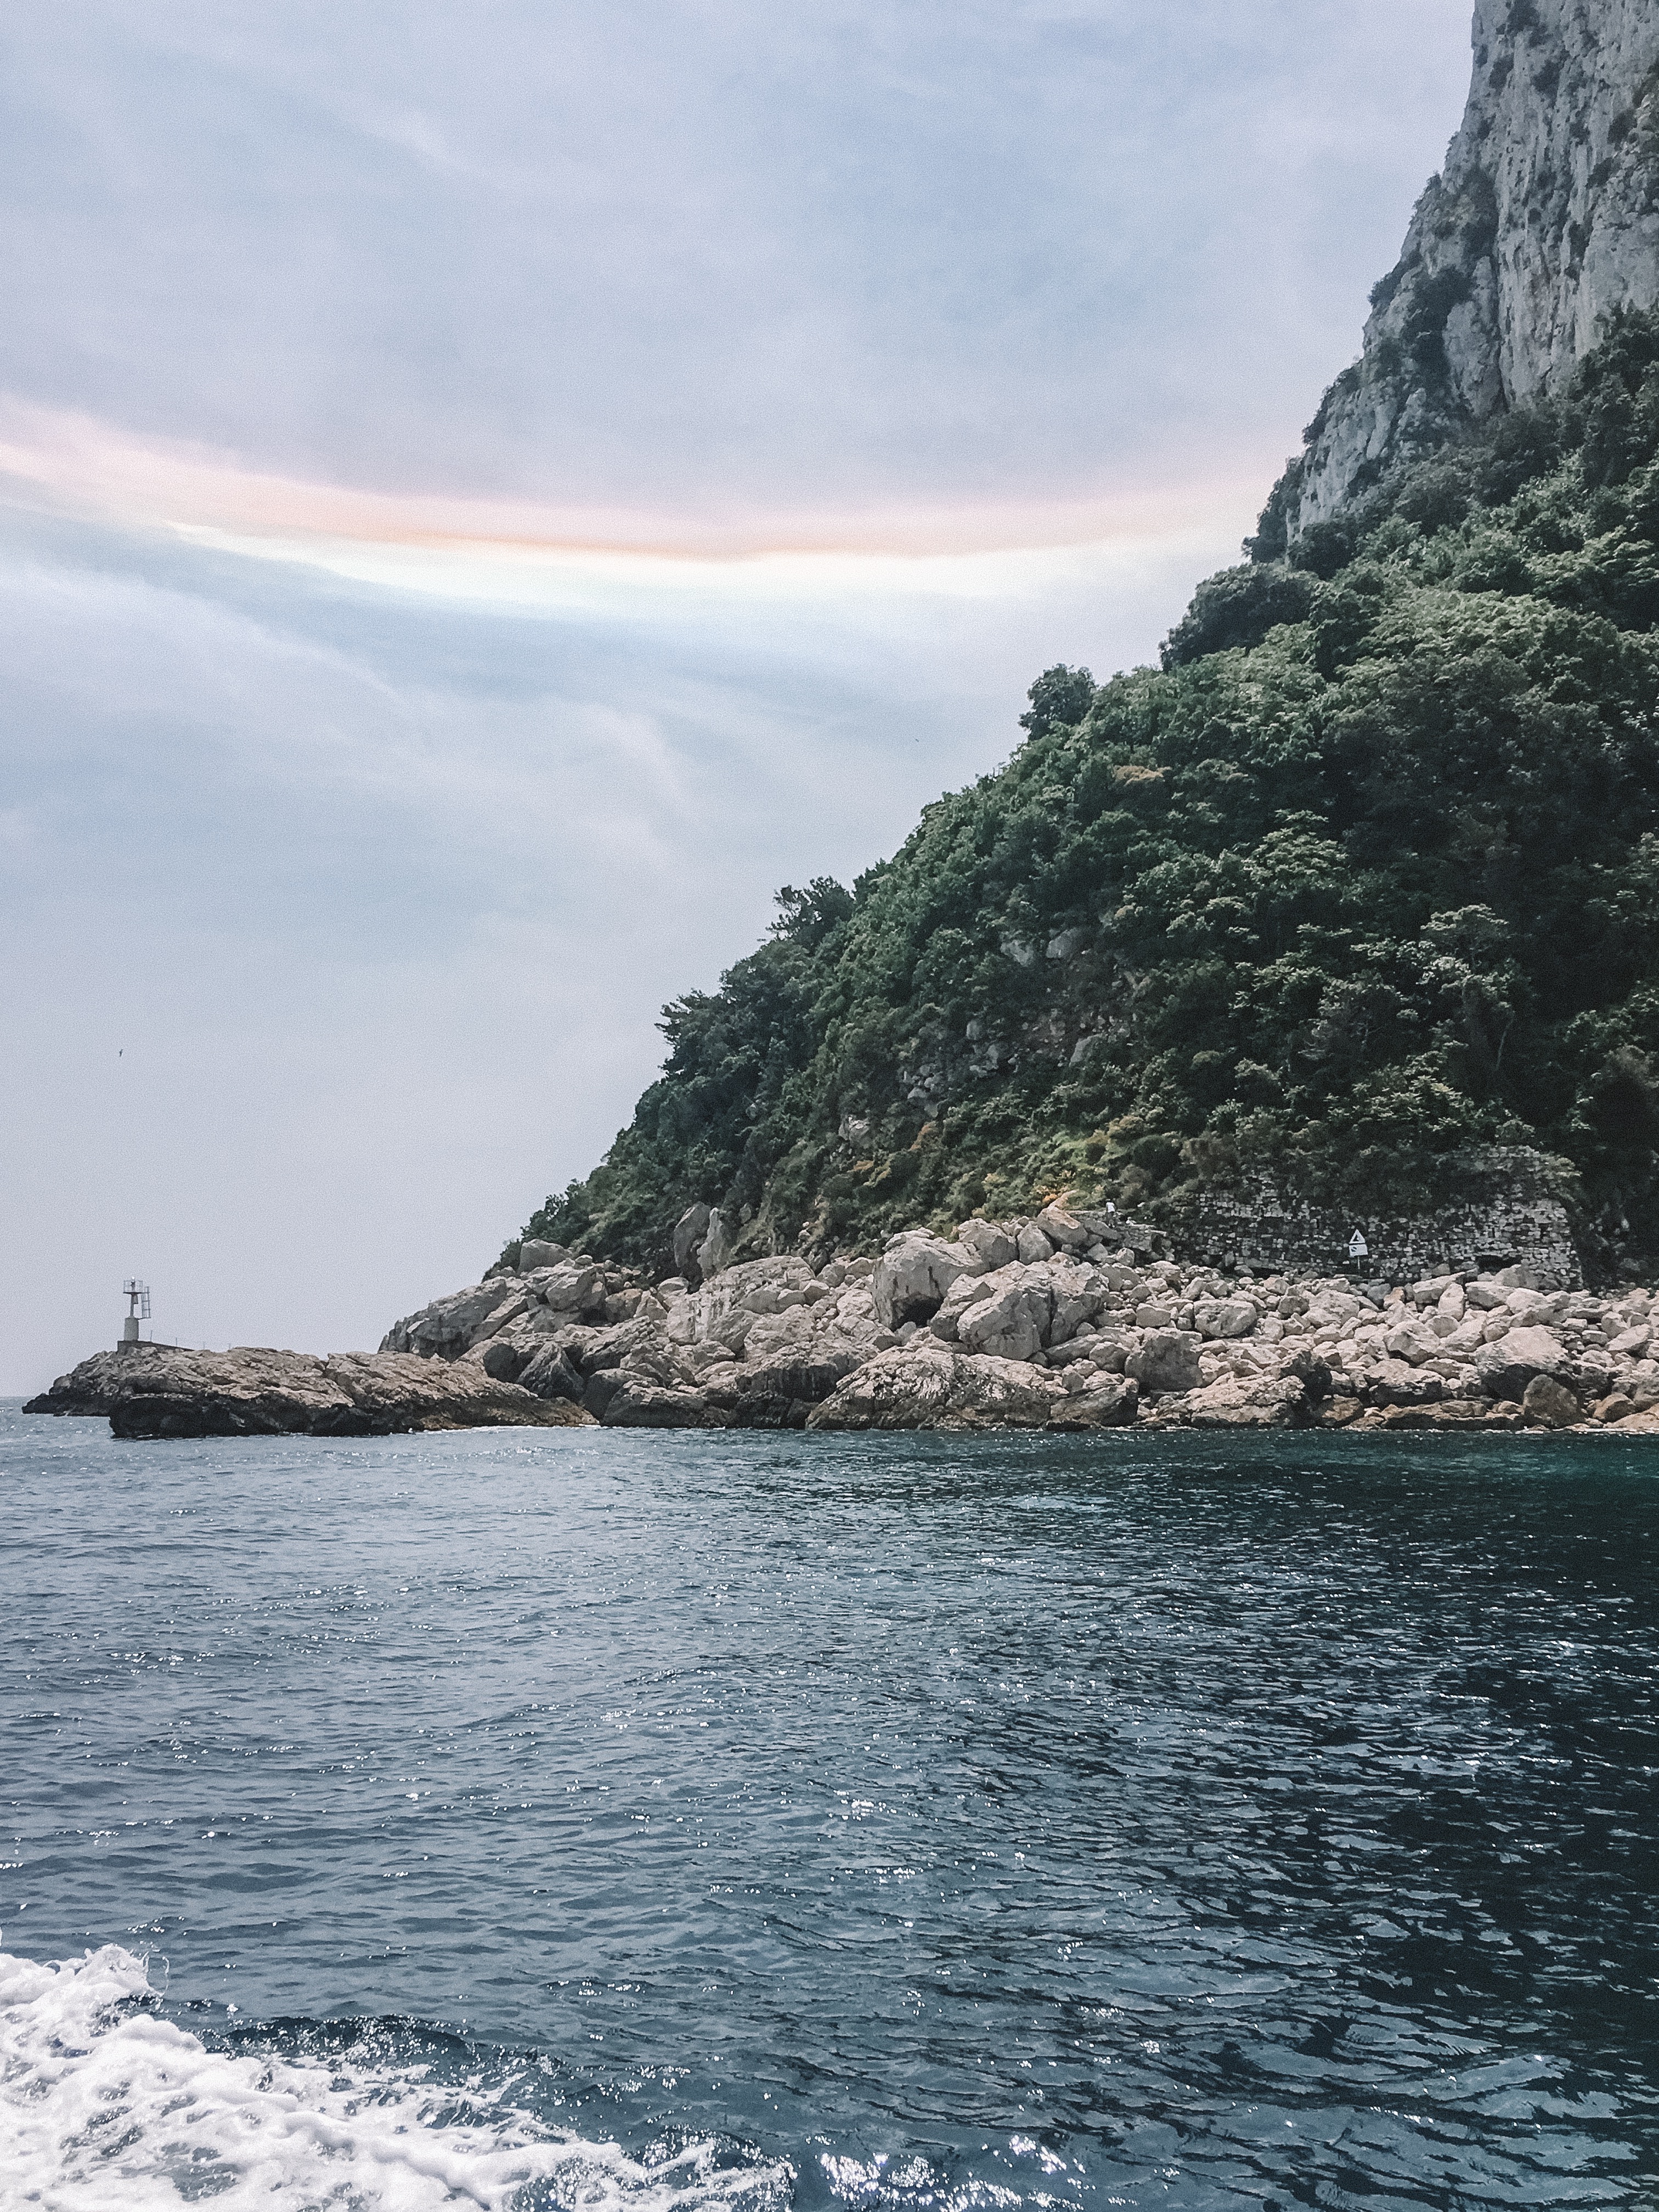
[1545, 221]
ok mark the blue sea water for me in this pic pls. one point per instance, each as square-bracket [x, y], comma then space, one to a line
[580, 1818]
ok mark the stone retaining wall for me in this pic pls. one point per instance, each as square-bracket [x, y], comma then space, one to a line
[1508, 1215]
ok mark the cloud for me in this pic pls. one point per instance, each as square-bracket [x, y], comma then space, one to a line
[668, 255]
[373, 867]
[76, 464]
[488, 493]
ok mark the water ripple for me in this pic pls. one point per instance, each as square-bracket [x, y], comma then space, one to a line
[1260, 1824]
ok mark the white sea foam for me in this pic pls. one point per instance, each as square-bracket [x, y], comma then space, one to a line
[103, 2104]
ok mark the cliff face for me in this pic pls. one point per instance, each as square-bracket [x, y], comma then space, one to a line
[1544, 221]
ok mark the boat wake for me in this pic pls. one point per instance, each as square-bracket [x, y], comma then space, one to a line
[104, 2102]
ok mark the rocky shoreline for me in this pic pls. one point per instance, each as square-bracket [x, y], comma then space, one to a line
[1070, 1322]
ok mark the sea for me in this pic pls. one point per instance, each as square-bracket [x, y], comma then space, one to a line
[729, 1822]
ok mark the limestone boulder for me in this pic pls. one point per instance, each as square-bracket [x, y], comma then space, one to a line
[504, 1315]
[452, 1325]
[726, 1310]
[688, 1232]
[1414, 1342]
[1548, 1404]
[1305, 1365]
[967, 1291]
[1003, 1394]
[1506, 1367]
[1013, 1319]
[1397, 1382]
[1063, 1230]
[1466, 1336]
[1109, 1401]
[1591, 1375]
[638, 1403]
[540, 1252]
[988, 1245]
[1226, 1317]
[1165, 1361]
[551, 1374]
[925, 1385]
[1615, 1407]
[796, 1358]
[639, 1345]
[1080, 1294]
[1259, 1401]
[909, 1387]
[500, 1358]
[569, 1288]
[716, 1250]
[912, 1277]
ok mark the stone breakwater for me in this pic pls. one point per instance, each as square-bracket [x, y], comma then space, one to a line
[1066, 1321]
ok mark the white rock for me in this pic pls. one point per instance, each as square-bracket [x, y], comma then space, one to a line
[451, 1326]
[1413, 1341]
[1013, 1320]
[925, 1385]
[1506, 1367]
[1226, 1317]
[912, 1277]
[570, 1289]
[990, 1244]
[1166, 1362]
[715, 1251]
[1063, 1230]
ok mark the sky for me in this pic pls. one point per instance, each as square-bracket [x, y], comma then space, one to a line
[488, 494]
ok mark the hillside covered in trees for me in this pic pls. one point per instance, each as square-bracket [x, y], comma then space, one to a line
[1367, 874]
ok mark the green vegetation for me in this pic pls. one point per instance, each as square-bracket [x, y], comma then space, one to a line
[1366, 873]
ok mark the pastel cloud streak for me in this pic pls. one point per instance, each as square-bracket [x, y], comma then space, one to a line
[78, 464]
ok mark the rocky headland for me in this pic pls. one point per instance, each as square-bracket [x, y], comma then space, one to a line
[1340, 929]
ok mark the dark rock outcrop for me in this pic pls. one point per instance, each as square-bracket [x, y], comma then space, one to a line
[154, 1390]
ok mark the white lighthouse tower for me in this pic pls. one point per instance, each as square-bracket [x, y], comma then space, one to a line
[136, 1295]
